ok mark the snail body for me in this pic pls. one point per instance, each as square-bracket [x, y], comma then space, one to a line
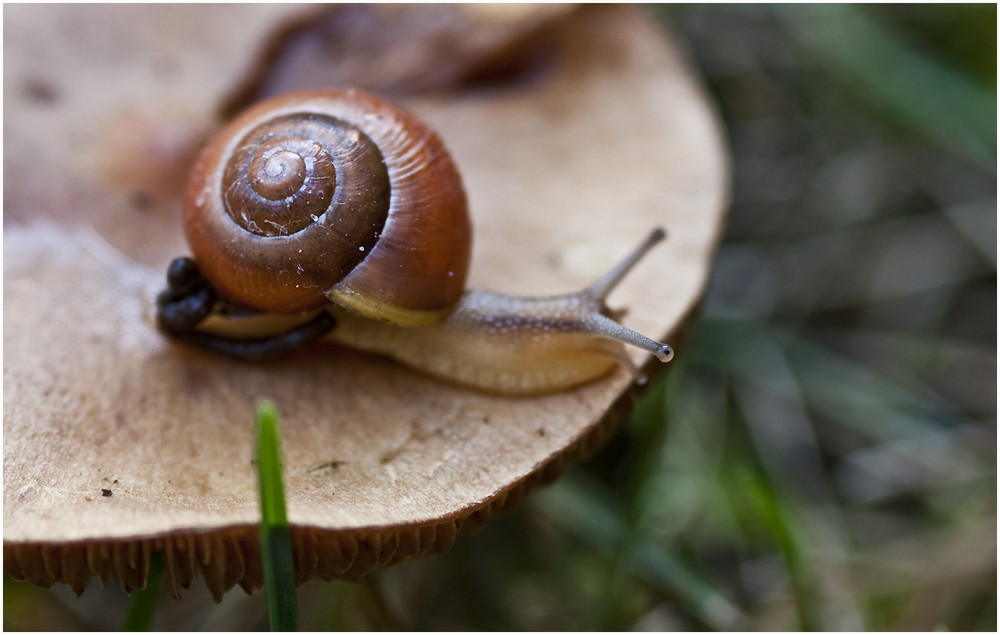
[340, 204]
[513, 345]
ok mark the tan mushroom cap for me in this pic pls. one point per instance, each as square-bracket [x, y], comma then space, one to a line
[119, 443]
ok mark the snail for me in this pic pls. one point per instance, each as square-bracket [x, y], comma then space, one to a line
[348, 212]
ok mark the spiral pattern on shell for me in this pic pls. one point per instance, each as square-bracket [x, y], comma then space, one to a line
[321, 196]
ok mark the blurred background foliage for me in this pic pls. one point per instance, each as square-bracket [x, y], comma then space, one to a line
[822, 453]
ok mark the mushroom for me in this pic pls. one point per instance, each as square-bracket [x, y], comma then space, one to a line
[119, 444]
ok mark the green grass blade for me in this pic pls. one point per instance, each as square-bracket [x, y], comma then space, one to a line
[900, 79]
[142, 604]
[572, 505]
[776, 514]
[275, 535]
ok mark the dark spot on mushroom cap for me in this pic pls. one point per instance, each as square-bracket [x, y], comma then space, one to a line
[40, 91]
[141, 200]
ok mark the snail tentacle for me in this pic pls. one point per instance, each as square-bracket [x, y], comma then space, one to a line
[598, 321]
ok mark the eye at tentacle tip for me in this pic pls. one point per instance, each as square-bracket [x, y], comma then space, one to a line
[664, 353]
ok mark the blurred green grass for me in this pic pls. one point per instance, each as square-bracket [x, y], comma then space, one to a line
[822, 453]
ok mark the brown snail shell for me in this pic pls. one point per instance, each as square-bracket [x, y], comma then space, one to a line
[319, 196]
